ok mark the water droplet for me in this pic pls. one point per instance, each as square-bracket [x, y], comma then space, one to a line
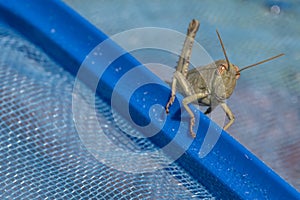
[275, 9]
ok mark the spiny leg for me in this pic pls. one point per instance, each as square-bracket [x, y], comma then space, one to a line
[172, 98]
[184, 84]
[188, 100]
[229, 115]
[190, 97]
[184, 59]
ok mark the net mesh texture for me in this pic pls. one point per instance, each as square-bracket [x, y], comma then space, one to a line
[41, 154]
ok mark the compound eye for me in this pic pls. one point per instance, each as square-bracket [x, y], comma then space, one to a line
[222, 68]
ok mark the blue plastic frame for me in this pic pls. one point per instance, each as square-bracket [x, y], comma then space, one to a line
[229, 171]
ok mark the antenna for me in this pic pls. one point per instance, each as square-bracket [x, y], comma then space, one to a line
[258, 63]
[224, 51]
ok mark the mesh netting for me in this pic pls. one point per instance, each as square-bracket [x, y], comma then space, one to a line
[41, 154]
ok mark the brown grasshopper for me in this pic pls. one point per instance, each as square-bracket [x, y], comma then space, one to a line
[208, 85]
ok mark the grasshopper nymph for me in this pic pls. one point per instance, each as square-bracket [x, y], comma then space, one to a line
[208, 85]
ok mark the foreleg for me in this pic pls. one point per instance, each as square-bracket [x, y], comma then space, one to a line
[188, 100]
[229, 115]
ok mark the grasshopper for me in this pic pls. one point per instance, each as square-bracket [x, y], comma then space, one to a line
[208, 85]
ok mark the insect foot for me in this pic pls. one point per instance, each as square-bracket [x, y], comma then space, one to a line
[170, 102]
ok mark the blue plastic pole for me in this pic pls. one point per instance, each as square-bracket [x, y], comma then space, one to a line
[229, 171]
